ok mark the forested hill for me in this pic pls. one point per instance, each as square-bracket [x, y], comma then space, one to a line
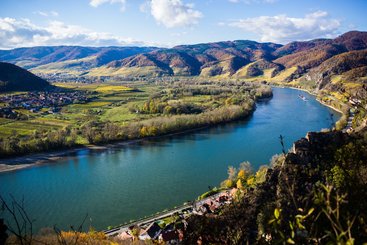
[316, 194]
[14, 78]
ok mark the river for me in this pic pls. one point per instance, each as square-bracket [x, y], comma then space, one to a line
[138, 179]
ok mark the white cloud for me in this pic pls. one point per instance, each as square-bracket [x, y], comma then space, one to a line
[54, 13]
[281, 28]
[47, 14]
[174, 13]
[23, 33]
[96, 3]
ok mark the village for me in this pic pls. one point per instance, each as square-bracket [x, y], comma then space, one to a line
[63, 77]
[48, 102]
[169, 227]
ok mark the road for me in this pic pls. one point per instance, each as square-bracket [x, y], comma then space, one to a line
[141, 222]
[145, 221]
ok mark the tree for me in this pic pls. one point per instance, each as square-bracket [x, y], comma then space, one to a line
[281, 138]
[22, 228]
[232, 173]
[241, 174]
[239, 184]
[3, 234]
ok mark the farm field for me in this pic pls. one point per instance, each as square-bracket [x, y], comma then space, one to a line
[109, 102]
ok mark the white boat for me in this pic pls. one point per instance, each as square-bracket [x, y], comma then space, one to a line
[302, 97]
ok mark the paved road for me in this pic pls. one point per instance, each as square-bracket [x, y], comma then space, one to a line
[124, 228]
[349, 127]
[141, 222]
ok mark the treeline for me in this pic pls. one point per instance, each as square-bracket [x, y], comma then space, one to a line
[193, 88]
[154, 106]
[99, 133]
[37, 142]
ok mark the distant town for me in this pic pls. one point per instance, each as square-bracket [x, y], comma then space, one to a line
[37, 101]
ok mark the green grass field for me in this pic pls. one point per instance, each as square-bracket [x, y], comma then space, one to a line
[24, 127]
[110, 103]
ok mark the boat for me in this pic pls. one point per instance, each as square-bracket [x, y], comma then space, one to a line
[302, 97]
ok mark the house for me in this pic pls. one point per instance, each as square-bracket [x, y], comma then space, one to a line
[125, 236]
[151, 232]
[224, 199]
[169, 237]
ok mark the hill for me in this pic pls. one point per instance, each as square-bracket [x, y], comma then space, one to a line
[237, 59]
[338, 65]
[316, 64]
[312, 53]
[229, 59]
[14, 78]
[67, 59]
[208, 59]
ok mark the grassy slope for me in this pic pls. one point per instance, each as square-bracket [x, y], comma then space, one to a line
[72, 67]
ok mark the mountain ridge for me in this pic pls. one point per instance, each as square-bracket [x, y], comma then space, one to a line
[296, 62]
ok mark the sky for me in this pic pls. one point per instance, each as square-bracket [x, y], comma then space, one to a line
[166, 23]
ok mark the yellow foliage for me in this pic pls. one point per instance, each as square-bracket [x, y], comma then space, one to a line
[228, 183]
[239, 184]
[144, 131]
[241, 174]
[112, 88]
[251, 180]
[148, 131]
[229, 101]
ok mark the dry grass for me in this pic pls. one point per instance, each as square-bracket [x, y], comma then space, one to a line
[283, 75]
[112, 88]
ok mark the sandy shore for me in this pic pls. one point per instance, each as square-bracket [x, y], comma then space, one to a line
[31, 160]
[7, 168]
[16, 163]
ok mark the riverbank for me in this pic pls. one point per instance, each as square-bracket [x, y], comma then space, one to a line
[27, 161]
[37, 159]
[317, 98]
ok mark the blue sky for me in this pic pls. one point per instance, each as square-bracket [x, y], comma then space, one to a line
[171, 22]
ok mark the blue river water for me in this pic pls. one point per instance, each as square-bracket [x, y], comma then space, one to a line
[138, 179]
